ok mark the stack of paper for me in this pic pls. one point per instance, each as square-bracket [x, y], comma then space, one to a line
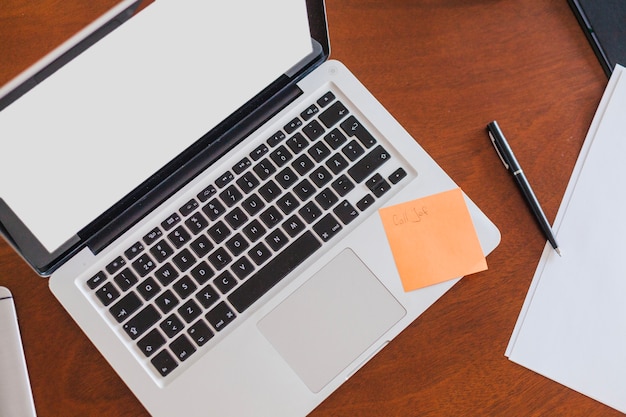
[572, 327]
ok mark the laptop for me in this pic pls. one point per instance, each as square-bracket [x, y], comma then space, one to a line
[203, 191]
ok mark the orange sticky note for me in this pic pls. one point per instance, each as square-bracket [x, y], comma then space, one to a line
[433, 239]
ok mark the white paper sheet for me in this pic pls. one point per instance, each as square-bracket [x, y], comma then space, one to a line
[572, 327]
[96, 129]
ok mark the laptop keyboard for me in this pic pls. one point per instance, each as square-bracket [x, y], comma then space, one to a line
[196, 271]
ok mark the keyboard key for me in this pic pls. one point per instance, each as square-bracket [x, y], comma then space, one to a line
[259, 254]
[264, 169]
[182, 348]
[172, 325]
[286, 178]
[258, 152]
[304, 189]
[95, 281]
[152, 237]
[397, 175]
[276, 239]
[254, 230]
[205, 194]
[138, 325]
[327, 228]
[148, 288]
[253, 204]
[326, 198]
[179, 237]
[189, 311]
[125, 279]
[275, 139]
[365, 202]
[224, 179]
[214, 209]
[326, 99]
[236, 218]
[342, 185]
[320, 176]
[271, 216]
[273, 272]
[345, 212]
[297, 143]
[188, 208]
[287, 203]
[166, 274]
[293, 125]
[107, 294]
[202, 273]
[303, 164]
[197, 223]
[151, 342]
[171, 221]
[184, 287]
[335, 138]
[353, 150]
[241, 166]
[353, 127]
[207, 296]
[125, 307]
[115, 265]
[248, 182]
[281, 156]
[313, 130]
[220, 316]
[378, 185]
[369, 164]
[310, 212]
[200, 333]
[167, 301]
[337, 163]
[310, 111]
[220, 258]
[201, 246]
[242, 267]
[184, 260]
[219, 232]
[231, 196]
[161, 251]
[237, 244]
[164, 363]
[293, 226]
[331, 116]
[225, 282]
[144, 265]
[134, 250]
[319, 151]
[269, 191]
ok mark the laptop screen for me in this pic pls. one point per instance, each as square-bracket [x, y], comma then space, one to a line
[96, 131]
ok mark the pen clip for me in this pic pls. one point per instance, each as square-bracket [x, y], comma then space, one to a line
[493, 142]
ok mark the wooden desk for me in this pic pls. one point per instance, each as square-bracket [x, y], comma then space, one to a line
[445, 69]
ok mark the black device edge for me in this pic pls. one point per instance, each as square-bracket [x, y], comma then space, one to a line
[591, 36]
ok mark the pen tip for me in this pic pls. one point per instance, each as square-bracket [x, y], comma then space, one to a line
[558, 251]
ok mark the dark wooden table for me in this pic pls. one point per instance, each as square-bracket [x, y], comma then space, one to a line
[444, 68]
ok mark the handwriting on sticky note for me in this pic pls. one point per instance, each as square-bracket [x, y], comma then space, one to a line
[433, 239]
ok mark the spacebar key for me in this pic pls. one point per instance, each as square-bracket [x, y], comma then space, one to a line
[272, 273]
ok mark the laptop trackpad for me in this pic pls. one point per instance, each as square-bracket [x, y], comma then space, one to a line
[332, 319]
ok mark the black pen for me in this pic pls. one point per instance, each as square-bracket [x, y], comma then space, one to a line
[511, 164]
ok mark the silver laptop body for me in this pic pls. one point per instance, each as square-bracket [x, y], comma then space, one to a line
[175, 303]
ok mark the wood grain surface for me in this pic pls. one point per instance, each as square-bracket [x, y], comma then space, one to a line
[444, 69]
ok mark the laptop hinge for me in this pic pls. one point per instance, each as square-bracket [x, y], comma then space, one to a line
[220, 140]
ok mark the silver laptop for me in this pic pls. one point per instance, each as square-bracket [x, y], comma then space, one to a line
[203, 191]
